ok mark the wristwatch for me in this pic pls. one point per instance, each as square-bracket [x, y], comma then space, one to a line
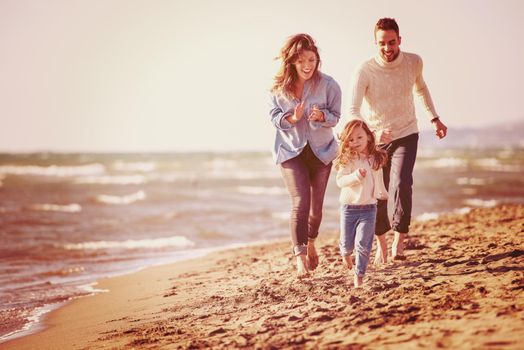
[434, 120]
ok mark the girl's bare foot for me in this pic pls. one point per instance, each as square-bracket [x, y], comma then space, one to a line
[381, 256]
[312, 256]
[302, 270]
[358, 281]
[378, 257]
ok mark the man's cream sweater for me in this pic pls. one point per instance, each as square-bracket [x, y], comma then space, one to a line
[388, 88]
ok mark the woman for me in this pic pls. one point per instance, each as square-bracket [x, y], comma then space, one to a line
[305, 106]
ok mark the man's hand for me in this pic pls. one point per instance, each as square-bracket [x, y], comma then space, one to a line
[385, 136]
[440, 129]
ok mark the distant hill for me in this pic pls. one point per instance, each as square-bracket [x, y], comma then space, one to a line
[507, 135]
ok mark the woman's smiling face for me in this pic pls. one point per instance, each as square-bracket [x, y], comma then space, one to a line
[306, 64]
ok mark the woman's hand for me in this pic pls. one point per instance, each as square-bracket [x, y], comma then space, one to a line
[316, 115]
[299, 113]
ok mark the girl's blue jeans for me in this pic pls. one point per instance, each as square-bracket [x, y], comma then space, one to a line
[357, 229]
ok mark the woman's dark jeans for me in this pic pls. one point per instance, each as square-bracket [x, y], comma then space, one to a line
[398, 177]
[306, 178]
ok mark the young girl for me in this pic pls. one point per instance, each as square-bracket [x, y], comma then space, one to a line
[359, 175]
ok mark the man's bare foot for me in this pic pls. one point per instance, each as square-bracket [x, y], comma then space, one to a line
[348, 259]
[358, 281]
[302, 270]
[397, 248]
[312, 256]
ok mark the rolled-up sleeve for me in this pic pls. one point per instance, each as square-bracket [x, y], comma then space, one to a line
[332, 110]
[358, 90]
[277, 115]
[348, 180]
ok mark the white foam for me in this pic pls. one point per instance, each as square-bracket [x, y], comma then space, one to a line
[66, 208]
[475, 202]
[127, 199]
[144, 167]
[284, 215]
[174, 241]
[112, 180]
[261, 190]
[427, 216]
[463, 210]
[53, 170]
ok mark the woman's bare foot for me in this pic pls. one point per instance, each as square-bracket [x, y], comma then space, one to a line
[312, 256]
[302, 270]
[358, 281]
[349, 261]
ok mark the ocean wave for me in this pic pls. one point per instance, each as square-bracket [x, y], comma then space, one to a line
[494, 164]
[73, 270]
[127, 199]
[450, 162]
[112, 180]
[53, 170]
[238, 174]
[66, 208]
[261, 190]
[476, 202]
[472, 181]
[144, 167]
[174, 241]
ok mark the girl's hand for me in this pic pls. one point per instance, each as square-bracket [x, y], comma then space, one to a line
[299, 113]
[316, 115]
[362, 172]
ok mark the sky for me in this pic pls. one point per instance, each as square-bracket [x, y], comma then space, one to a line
[194, 75]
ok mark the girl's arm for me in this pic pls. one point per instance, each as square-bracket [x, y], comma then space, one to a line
[348, 180]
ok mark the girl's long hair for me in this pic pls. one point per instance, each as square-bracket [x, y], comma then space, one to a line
[287, 75]
[345, 153]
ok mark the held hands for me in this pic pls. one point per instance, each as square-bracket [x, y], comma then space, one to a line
[316, 115]
[440, 129]
[362, 172]
[385, 136]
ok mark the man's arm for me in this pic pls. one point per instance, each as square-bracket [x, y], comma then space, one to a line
[422, 91]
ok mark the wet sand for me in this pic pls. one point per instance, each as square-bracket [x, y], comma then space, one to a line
[460, 287]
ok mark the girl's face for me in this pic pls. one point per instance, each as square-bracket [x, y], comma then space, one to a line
[305, 65]
[358, 140]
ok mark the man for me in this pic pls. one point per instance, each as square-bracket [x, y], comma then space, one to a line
[387, 83]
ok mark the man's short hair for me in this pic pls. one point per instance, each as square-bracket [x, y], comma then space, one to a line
[387, 24]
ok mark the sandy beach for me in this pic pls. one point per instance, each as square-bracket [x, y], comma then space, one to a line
[460, 287]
